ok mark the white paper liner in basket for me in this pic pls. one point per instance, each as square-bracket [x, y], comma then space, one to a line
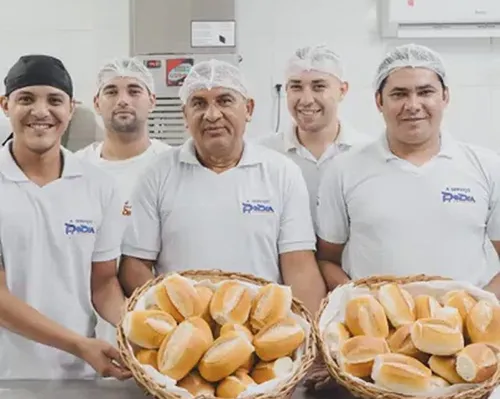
[338, 298]
[269, 386]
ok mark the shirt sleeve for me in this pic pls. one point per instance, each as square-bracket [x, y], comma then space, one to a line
[331, 219]
[143, 234]
[109, 234]
[296, 227]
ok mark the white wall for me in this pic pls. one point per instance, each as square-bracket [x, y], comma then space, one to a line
[268, 32]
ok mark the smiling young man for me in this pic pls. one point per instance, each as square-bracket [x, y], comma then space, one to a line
[315, 88]
[415, 201]
[220, 202]
[60, 235]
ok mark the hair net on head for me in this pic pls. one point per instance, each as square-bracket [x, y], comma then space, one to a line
[125, 67]
[315, 58]
[409, 55]
[211, 74]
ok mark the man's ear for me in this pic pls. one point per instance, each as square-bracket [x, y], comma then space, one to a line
[4, 103]
[250, 106]
[96, 104]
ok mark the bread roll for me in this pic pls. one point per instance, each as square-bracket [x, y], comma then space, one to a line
[426, 306]
[177, 296]
[272, 303]
[401, 342]
[476, 363]
[231, 303]
[225, 356]
[436, 337]
[266, 371]
[445, 367]
[451, 315]
[196, 385]
[335, 334]
[401, 374]
[205, 294]
[148, 357]
[148, 328]
[398, 304]
[234, 385]
[356, 355]
[438, 382]
[183, 349]
[460, 300]
[279, 339]
[364, 315]
[205, 331]
[483, 323]
[238, 328]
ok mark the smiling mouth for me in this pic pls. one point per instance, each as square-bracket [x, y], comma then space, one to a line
[40, 126]
[309, 112]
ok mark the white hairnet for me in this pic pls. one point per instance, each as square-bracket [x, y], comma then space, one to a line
[318, 58]
[125, 67]
[409, 55]
[210, 74]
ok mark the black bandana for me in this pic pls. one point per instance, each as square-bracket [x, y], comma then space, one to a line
[38, 70]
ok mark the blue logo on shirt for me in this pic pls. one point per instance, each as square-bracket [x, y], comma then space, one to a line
[79, 227]
[456, 194]
[256, 207]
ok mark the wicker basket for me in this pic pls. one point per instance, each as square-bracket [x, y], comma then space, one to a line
[157, 391]
[371, 391]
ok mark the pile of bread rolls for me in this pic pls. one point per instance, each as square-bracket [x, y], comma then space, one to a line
[413, 345]
[216, 341]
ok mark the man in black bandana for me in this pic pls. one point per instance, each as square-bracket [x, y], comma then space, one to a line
[60, 235]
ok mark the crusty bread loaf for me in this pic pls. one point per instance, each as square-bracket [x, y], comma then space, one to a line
[196, 385]
[231, 303]
[451, 315]
[147, 357]
[272, 303]
[225, 356]
[148, 328]
[205, 331]
[476, 363]
[438, 382]
[183, 349]
[436, 337]
[398, 304]
[400, 342]
[279, 339]
[238, 328]
[234, 385]
[177, 296]
[483, 323]
[445, 367]
[356, 354]
[205, 295]
[461, 300]
[335, 334]
[426, 306]
[266, 371]
[401, 374]
[364, 315]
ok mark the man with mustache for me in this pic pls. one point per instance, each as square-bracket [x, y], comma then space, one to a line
[220, 202]
[417, 200]
[125, 97]
[315, 87]
[60, 236]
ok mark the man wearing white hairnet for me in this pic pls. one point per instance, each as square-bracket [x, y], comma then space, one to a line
[125, 97]
[415, 201]
[219, 202]
[315, 87]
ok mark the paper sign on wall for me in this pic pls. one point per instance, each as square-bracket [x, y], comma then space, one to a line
[213, 33]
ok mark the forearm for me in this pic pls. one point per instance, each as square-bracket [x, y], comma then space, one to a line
[494, 285]
[333, 274]
[20, 318]
[134, 273]
[109, 301]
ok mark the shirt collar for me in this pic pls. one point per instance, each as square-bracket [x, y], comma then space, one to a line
[250, 156]
[10, 170]
[447, 150]
[347, 137]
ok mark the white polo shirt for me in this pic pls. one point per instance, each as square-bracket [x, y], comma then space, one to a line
[49, 237]
[400, 219]
[186, 216]
[313, 168]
